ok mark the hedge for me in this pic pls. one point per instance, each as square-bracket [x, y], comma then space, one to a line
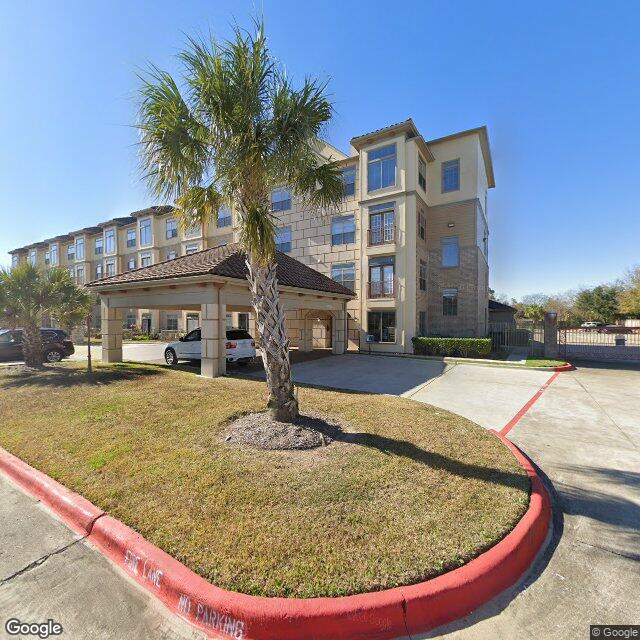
[465, 347]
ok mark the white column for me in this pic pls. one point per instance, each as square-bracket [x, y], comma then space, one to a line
[222, 332]
[209, 327]
[338, 337]
[111, 333]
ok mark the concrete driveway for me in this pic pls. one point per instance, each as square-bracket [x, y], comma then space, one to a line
[583, 432]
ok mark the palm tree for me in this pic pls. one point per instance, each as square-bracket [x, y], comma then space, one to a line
[234, 130]
[27, 294]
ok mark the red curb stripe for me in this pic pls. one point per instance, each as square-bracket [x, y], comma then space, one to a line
[73, 509]
[370, 616]
[514, 421]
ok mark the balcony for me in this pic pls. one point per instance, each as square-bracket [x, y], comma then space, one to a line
[383, 235]
[382, 289]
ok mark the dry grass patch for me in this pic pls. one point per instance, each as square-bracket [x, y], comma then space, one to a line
[412, 492]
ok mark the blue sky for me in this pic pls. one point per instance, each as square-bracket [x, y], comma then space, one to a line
[557, 84]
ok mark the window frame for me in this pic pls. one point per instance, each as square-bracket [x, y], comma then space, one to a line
[110, 268]
[422, 225]
[99, 271]
[422, 275]
[53, 255]
[349, 188]
[129, 261]
[379, 161]
[172, 318]
[110, 235]
[382, 313]
[279, 205]
[450, 299]
[170, 228]
[341, 267]
[98, 247]
[447, 165]
[449, 241]
[71, 255]
[33, 257]
[338, 238]
[143, 257]
[422, 173]
[80, 248]
[80, 279]
[131, 243]
[280, 245]
[226, 220]
[143, 225]
[191, 248]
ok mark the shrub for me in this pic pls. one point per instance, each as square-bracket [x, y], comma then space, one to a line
[465, 347]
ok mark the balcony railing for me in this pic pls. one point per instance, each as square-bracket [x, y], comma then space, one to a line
[382, 289]
[384, 235]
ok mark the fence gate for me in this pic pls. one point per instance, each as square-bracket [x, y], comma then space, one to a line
[621, 344]
[526, 335]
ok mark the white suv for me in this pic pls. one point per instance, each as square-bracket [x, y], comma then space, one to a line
[241, 347]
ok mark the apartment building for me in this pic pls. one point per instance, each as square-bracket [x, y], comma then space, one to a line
[410, 239]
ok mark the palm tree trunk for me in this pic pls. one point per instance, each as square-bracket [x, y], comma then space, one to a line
[274, 342]
[32, 345]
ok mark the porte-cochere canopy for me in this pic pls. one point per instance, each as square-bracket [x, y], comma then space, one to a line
[214, 282]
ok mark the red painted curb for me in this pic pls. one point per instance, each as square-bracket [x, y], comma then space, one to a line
[534, 398]
[565, 367]
[76, 511]
[369, 616]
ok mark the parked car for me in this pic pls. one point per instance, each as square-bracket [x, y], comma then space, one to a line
[240, 347]
[590, 325]
[56, 345]
[615, 328]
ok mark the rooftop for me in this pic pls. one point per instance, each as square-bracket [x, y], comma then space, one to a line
[227, 261]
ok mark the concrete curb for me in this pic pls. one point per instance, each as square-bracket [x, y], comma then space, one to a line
[372, 616]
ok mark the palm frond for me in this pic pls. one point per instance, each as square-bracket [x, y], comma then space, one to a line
[198, 205]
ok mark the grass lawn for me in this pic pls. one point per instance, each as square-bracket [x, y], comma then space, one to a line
[417, 491]
[544, 362]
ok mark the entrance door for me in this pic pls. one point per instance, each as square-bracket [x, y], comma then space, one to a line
[146, 323]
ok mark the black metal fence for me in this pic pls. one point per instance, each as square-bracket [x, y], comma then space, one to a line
[602, 343]
[528, 336]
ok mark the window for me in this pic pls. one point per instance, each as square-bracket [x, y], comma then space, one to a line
[382, 223]
[145, 260]
[110, 241]
[482, 233]
[423, 276]
[33, 257]
[98, 271]
[345, 274]
[145, 232]
[381, 277]
[193, 336]
[283, 239]
[349, 181]
[131, 264]
[422, 323]
[99, 246]
[111, 268]
[72, 273]
[450, 252]
[228, 321]
[193, 232]
[451, 175]
[422, 226]
[382, 325]
[172, 323]
[47, 258]
[14, 261]
[224, 217]
[422, 173]
[191, 248]
[343, 230]
[130, 321]
[381, 170]
[80, 275]
[172, 255]
[171, 229]
[280, 199]
[71, 252]
[131, 238]
[243, 321]
[53, 251]
[80, 249]
[449, 302]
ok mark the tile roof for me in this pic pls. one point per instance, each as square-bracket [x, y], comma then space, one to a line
[156, 210]
[494, 305]
[227, 261]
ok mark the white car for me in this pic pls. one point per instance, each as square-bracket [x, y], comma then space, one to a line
[590, 325]
[241, 347]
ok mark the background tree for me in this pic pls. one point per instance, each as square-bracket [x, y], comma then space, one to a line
[27, 294]
[235, 129]
[533, 312]
[600, 303]
[630, 293]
